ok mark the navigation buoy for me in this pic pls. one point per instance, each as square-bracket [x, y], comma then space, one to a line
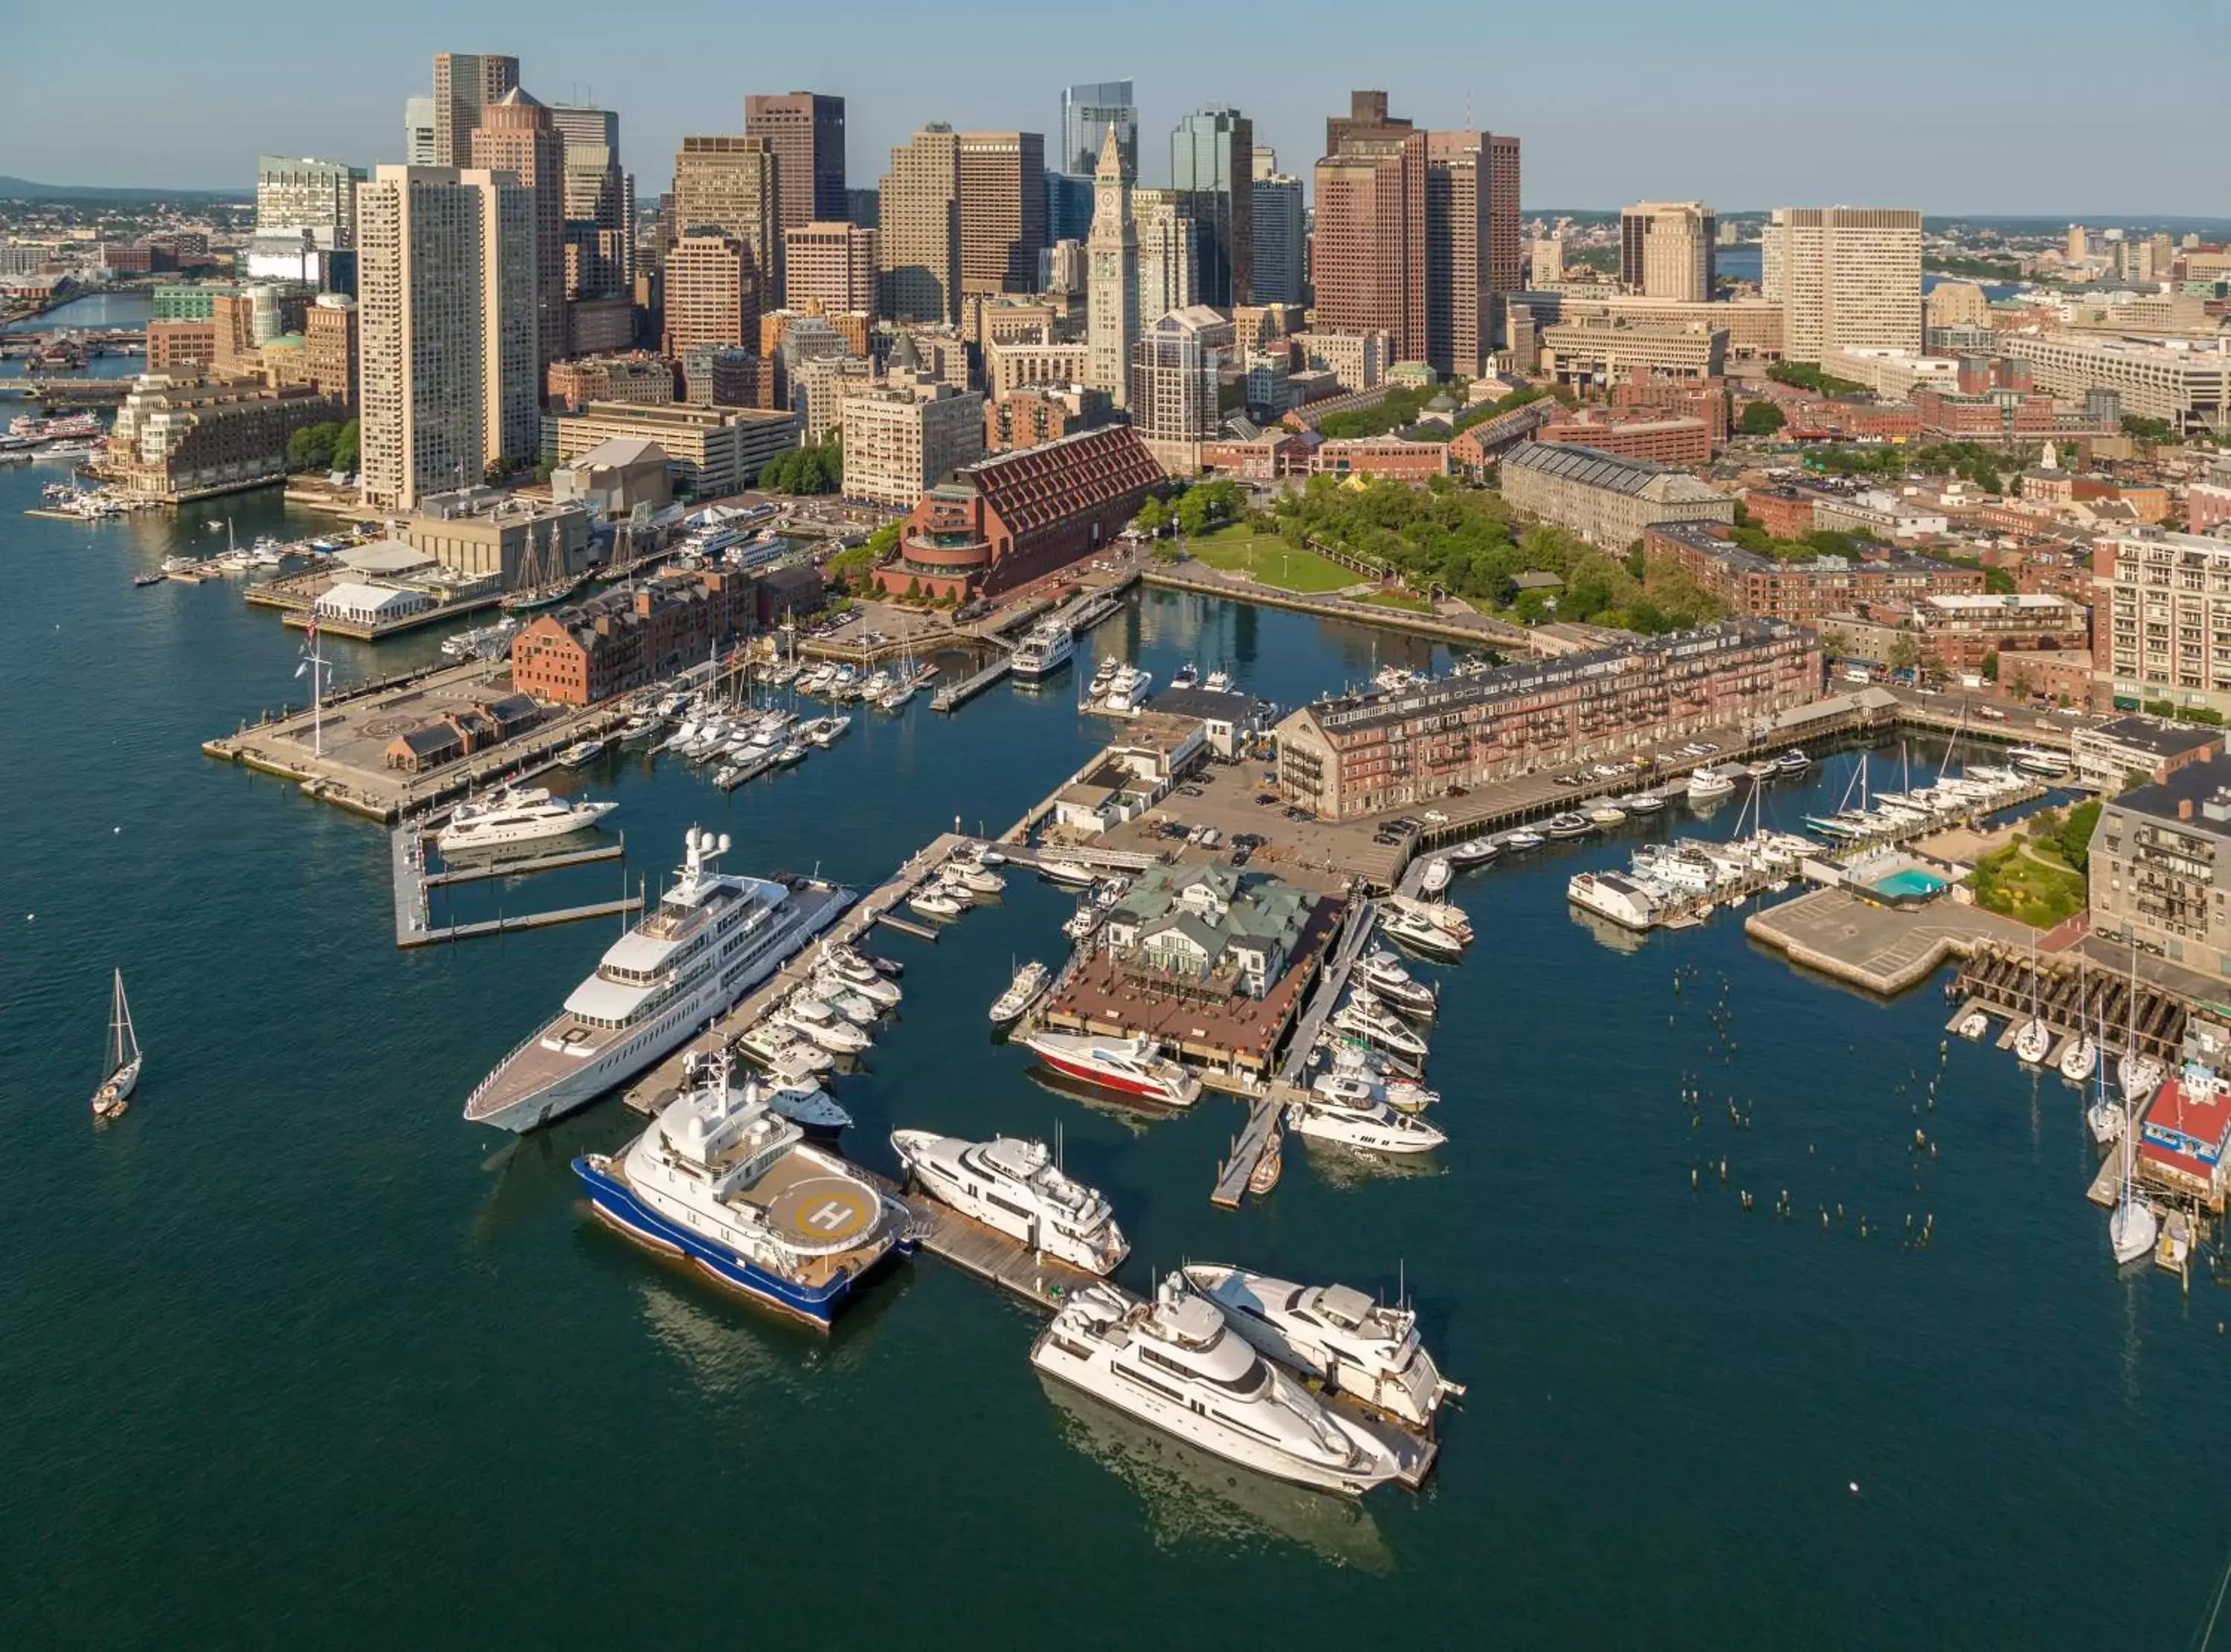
[1855, 1488]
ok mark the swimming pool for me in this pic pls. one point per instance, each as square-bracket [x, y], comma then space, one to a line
[1910, 884]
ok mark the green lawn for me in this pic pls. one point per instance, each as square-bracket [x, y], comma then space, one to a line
[1401, 599]
[2029, 882]
[1239, 550]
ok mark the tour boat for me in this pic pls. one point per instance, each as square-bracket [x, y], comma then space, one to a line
[1364, 1016]
[1355, 1119]
[1043, 652]
[515, 814]
[1172, 1362]
[724, 1181]
[1021, 993]
[120, 1059]
[1382, 971]
[1134, 1066]
[1335, 1334]
[1016, 1187]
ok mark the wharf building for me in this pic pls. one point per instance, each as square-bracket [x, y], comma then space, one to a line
[1007, 519]
[1381, 458]
[182, 438]
[1844, 275]
[2126, 751]
[2160, 610]
[1802, 593]
[446, 330]
[620, 640]
[1677, 440]
[1365, 754]
[483, 532]
[1606, 500]
[713, 451]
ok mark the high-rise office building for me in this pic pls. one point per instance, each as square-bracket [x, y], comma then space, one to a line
[1666, 249]
[307, 194]
[1844, 276]
[1089, 113]
[807, 130]
[465, 83]
[2079, 243]
[1506, 257]
[1069, 206]
[712, 293]
[729, 182]
[515, 135]
[1368, 250]
[446, 330]
[1281, 231]
[1169, 272]
[832, 264]
[1174, 368]
[1112, 277]
[919, 232]
[1461, 298]
[419, 132]
[584, 126]
[1002, 211]
[1212, 173]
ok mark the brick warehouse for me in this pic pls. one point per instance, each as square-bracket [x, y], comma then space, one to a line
[619, 639]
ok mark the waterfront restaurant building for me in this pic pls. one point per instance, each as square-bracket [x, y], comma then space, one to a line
[1363, 754]
[1004, 521]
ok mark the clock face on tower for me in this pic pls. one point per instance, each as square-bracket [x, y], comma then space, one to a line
[1107, 201]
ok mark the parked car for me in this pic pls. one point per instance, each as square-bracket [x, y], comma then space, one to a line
[1241, 856]
[1266, 798]
[1435, 817]
[1191, 790]
[1403, 824]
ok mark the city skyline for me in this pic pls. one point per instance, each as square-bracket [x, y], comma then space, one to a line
[1729, 116]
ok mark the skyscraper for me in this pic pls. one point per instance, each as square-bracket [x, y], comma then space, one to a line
[419, 132]
[464, 83]
[307, 194]
[1112, 277]
[1002, 211]
[1089, 113]
[1844, 275]
[446, 329]
[583, 125]
[807, 130]
[1169, 272]
[516, 135]
[1174, 368]
[1281, 232]
[1460, 301]
[1368, 251]
[919, 235]
[1506, 257]
[832, 264]
[1666, 249]
[1212, 171]
[712, 293]
[729, 182]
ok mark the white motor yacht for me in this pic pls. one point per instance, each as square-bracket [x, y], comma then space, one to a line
[778, 1046]
[1477, 851]
[1173, 1362]
[1421, 935]
[1364, 1016]
[1344, 1112]
[812, 1018]
[935, 901]
[1349, 1060]
[1435, 878]
[1709, 783]
[1334, 1333]
[1567, 824]
[1522, 840]
[1022, 992]
[1016, 1187]
[1382, 971]
[515, 814]
[1069, 874]
[977, 880]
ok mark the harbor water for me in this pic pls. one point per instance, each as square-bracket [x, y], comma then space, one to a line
[292, 1354]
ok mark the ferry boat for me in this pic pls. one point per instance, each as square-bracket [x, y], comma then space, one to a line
[723, 1180]
[1172, 1362]
[1043, 652]
[713, 937]
[1134, 1066]
[1016, 1187]
[512, 815]
[1607, 895]
[1334, 1333]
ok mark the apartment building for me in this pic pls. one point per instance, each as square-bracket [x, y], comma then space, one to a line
[644, 380]
[1802, 592]
[2160, 859]
[903, 432]
[1844, 275]
[183, 438]
[1368, 753]
[2160, 610]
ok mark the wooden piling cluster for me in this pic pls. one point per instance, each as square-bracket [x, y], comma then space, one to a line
[2074, 994]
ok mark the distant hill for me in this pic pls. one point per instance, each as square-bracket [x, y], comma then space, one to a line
[22, 188]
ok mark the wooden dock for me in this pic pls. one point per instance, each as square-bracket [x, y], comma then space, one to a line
[954, 695]
[504, 925]
[1247, 1148]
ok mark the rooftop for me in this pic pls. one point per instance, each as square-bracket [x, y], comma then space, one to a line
[1595, 469]
[2155, 734]
[1208, 704]
[2197, 795]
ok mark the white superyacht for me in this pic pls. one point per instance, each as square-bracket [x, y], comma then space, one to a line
[713, 937]
[516, 815]
[1333, 1332]
[1175, 1363]
[1016, 1187]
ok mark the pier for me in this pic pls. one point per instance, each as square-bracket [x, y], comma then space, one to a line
[954, 695]
[505, 924]
[414, 917]
[1884, 949]
[478, 872]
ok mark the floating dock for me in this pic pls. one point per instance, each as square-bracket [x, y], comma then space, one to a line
[518, 921]
[954, 695]
[1882, 949]
[411, 880]
[481, 871]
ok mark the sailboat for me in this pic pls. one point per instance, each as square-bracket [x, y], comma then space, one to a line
[120, 1068]
[2034, 1039]
[543, 581]
[2132, 1227]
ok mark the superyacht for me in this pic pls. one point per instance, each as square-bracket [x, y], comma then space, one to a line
[714, 938]
[1016, 1187]
[511, 814]
[722, 1179]
[1334, 1333]
[1175, 1363]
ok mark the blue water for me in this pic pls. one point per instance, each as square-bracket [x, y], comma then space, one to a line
[293, 1356]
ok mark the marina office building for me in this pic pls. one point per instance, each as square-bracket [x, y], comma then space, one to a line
[1365, 753]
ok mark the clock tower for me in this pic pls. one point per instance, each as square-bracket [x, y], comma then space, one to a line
[1112, 279]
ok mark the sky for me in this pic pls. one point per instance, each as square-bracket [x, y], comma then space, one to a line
[2005, 107]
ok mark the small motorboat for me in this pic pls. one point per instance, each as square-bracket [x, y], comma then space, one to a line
[1068, 874]
[1974, 1025]
[579, 752]
[935, 901]
[1264, 1177]
[1794, 761]
[1568, 825]
[1435, 879]
[1706, 783]
[1522, 840]
[1477, 851]
[154, 579]
[1021, 993]
[1606, 816]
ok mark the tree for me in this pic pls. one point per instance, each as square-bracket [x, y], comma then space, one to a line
[2076, 834]
[1835, 642]
[1991, 666]
[1761, 419]
[345, 445]
[311, 447]
[803, 471]
[1904, 652]
[1153, 516]
[2019, 684]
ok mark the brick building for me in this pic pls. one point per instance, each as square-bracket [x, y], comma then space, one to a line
[1028, 418]
[619, 639]
[1365, 753]
[1803, 593]
[1606, 500]
[1679, 440]
[1005, 520]
[1784, 512]
[1388, 458]
[180, 346]
[640, 377]
[1957, 632]
[177, 439]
